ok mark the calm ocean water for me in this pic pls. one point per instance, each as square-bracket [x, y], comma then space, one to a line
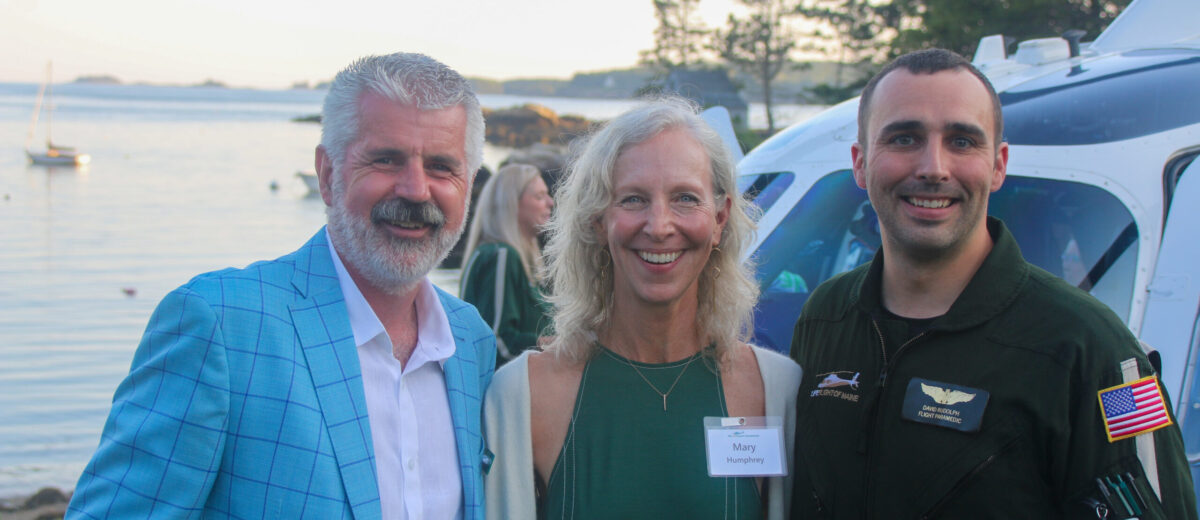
[179, 184]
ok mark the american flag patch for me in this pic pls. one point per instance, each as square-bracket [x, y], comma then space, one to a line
[1133, 408]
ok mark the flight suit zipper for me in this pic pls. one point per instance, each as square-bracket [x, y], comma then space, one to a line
[883, 349]
[876, 412]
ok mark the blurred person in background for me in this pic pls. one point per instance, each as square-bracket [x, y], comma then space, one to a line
[501, 276]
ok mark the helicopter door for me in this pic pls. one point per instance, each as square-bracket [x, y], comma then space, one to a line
[1174, 299]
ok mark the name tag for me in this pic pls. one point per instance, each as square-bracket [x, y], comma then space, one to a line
[744, 446]
[943, 404]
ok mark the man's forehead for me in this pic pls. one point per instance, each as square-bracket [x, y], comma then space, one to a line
[373, 102]
[943, 98]
[382, 120]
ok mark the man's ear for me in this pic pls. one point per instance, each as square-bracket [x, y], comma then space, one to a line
[1000, 169]
[858, 155]
[324, 166]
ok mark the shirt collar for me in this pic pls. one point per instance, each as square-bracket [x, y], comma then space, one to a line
[435, 342]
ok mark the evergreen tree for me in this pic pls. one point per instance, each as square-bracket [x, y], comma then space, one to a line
[958, 26]
[866, 33]
[679, 37]
[759, 44]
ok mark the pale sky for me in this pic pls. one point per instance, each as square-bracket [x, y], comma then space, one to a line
[273, 43]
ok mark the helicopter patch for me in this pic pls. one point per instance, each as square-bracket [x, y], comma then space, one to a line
[841, 384]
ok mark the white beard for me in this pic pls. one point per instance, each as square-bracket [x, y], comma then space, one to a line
[389, 264]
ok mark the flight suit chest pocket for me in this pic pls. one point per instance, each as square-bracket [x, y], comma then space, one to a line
[984, 456]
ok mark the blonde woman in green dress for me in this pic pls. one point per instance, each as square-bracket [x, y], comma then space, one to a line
[501, 276]
[652, 311]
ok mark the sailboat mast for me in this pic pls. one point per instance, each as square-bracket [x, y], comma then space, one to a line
[53, 154]
[49, 105]
[37, 110]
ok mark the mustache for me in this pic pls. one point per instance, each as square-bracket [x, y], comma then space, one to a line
[403, 210]
[930, 189]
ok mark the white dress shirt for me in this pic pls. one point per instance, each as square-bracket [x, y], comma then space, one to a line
[416, 458]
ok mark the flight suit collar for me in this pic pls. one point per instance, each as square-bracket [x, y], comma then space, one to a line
[993, 288]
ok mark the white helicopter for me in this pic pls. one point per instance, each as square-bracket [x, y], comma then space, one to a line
[1103, 188]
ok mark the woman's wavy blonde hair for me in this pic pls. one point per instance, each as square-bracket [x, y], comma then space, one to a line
[496, 217]
[577, 261]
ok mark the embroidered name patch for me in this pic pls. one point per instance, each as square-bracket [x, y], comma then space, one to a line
[1133, 408]
[943, 404]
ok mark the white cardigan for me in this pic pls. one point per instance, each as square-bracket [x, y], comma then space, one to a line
[509, 483]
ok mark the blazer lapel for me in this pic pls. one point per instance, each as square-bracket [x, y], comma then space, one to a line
[323, 329]
[462, 387]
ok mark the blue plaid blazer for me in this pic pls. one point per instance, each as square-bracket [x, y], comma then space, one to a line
[245, 400]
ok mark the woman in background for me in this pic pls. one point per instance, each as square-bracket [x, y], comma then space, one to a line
[652, 313]
[504, 260]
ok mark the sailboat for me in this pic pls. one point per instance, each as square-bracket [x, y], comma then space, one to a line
[54, 154]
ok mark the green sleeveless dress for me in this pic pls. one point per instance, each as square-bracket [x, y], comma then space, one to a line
[624, 457]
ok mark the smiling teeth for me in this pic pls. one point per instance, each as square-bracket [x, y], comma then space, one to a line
[659, 258]
[927, 203]
[408, 225]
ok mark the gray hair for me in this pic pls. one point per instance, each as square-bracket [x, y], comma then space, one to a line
[407, 78]
[496, 217]
[582, 286]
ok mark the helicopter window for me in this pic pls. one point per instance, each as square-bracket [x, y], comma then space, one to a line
[764, 189]
[1105, 101]
[810, 245]
[1076, 231]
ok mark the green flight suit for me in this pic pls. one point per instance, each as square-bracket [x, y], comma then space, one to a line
[1029, 349]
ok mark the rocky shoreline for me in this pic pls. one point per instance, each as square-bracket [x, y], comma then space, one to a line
[519, 126]
[47, 504]
[525, 125]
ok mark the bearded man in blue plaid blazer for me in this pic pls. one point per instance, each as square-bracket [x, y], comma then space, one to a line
[336, 381]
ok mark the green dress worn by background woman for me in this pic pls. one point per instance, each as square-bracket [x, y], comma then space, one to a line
[625, 457]
[495, 283]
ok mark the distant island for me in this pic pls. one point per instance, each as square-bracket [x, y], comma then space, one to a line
[98, 79]
[211, 83]
[304, 85]
[108, 79]
[792, 85]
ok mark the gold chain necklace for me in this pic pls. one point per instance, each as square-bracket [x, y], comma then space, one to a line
[655, 388]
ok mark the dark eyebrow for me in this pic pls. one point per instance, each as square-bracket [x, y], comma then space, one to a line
[967, 129]
[385, 152]
[901, 126]
[448, 160]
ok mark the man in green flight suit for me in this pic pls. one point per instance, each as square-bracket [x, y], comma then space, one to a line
[950, 378]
